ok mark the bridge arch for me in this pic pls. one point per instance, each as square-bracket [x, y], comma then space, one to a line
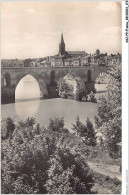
[28, 87]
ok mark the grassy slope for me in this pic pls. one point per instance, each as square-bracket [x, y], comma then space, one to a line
[105, 169]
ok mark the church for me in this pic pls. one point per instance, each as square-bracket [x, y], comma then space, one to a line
[67, 58]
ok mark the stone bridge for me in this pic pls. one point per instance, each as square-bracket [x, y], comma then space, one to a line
[47, 78]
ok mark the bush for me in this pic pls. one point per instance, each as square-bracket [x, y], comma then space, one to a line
[38, 161]
[64, 95]
[25, 161]
[57, 124]
[70, 95]
[68, 174]
[86, 131]
[81, 91]
[65, 90]
[85, 98]
[91, 97]
[34, 163]
[8, 127]
[78, 96]
[30, 122]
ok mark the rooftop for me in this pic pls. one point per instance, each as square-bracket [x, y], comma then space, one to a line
[76, 52]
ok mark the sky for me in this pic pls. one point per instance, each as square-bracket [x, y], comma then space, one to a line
[33, 29]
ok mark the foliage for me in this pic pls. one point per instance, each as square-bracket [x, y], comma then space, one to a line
[78, 127]
[90, 137]
[109, 112]
[40, 163]
[8, 127]
[81, 94]
[64, 95]
[38, 129]
[25, 161]
[85, 98]
[67, 176]
[81, 91]
[92, 97]
[57, 124]
[86, 131]
[27, 62]
[28, 123]
[71, 95]
[64, 88]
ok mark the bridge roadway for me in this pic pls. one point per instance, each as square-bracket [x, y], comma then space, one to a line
[55, 67]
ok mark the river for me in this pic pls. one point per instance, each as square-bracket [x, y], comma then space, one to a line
[43, 110]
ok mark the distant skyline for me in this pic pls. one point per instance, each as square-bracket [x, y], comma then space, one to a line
[33, 29]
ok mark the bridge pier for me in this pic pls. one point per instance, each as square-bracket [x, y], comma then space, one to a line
[7, 95]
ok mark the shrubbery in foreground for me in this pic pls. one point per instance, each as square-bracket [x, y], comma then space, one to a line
[37, 161]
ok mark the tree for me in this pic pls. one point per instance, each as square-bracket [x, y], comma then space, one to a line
[90, 136]
[27, 62]
[64, 88]
[8, 126]
[86, 131]
[92, 97]
[78, 126]
[57, 124]
[38, 129]
[28, 123]
[68, 174]
[58, 180]
[81, 91]
[109, 112]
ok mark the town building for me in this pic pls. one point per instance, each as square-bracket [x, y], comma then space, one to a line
[114, 59]
[12, 63]
[66, 58]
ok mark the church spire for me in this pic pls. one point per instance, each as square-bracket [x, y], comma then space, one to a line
[62, 38]
[62, 45]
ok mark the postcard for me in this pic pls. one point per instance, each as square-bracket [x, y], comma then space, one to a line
[64, 83]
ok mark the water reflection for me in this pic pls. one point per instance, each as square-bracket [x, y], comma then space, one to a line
[27, 109]
[43, 110]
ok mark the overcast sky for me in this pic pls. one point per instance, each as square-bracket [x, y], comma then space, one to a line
[33, 29]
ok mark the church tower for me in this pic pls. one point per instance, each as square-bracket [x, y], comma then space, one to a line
[62, 46]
